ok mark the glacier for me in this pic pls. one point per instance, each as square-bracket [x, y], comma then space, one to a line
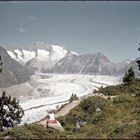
[57, 90]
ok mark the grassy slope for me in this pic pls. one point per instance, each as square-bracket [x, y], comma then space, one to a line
[119, 118]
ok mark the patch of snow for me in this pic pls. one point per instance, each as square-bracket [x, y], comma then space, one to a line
[12, 54]
[42, 55]
[28, 55]
[58, 52]
[19, 54]
[74, 53]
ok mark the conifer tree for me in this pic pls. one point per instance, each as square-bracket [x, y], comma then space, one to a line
[10, 112]
[73, 97]
[129, 76]
[138, 60]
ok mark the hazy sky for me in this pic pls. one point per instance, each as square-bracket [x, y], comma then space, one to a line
[84, 27]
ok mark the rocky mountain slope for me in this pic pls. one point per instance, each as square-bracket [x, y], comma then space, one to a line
[13, 73]
[39, 56]
[89, 64]
[56, 59]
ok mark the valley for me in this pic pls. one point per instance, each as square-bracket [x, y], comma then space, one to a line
[48, 91]
[43, 77]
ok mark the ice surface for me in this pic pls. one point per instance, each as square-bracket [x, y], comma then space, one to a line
[57, 89]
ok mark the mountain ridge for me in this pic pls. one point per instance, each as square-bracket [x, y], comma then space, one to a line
[56, 59]
[12, 73]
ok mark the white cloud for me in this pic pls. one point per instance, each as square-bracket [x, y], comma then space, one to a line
[21, 30]
[31, 18]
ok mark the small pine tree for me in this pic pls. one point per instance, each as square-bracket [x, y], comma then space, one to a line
[73, 97]
[138, 60]
[129, 76]
[10, 112]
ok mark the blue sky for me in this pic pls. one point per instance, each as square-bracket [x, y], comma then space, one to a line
[110, 27]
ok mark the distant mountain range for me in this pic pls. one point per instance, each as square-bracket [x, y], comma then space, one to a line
[42, 57]
[56, 59]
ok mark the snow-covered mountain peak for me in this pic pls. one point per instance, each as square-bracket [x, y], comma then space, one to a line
[22, 55]
[56, 59]
[40, 50]
[58, 52]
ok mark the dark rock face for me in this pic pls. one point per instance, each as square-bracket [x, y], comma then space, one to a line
[12, 73]
[89, 64]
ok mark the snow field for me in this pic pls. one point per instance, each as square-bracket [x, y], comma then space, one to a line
[42, 55]
[59, 52]
[28, 55]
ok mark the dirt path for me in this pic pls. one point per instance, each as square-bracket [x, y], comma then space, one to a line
[67, 108]
[63, 111]
[71, 105]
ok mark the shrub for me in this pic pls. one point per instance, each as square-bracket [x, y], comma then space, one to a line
[34, 131]
[87, 105]
[123, 99]
[73, 97]
[111, 90]
[129, 76]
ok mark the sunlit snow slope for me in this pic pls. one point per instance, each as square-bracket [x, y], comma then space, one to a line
[41, 52]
